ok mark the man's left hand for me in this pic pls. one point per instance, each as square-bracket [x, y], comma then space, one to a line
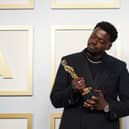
[97, 102]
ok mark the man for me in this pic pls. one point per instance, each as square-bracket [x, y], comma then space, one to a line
[100, 107]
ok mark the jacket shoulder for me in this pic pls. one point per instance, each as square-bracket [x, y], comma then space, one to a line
[116, 63]
[116, 60]
[73, 58]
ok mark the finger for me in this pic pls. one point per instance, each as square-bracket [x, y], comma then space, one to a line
[92, 102]
[98, 93]
[76, 79]
[87, 105]
[94, 98]
[80, 84]
[81, 81]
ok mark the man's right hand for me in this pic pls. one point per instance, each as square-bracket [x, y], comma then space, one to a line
[78, 83]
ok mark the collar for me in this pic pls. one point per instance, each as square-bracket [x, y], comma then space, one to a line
[103, 59]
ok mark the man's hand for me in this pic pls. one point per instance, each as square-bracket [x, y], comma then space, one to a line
[97, 102]
[78, 83]
[90, 103]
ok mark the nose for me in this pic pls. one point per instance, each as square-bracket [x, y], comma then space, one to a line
[94, 41]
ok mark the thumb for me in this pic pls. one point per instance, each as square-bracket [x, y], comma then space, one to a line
[98, 92]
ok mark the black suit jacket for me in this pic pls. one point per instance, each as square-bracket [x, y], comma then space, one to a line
[113, 80]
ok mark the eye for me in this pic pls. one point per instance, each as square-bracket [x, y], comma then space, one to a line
[102, 42]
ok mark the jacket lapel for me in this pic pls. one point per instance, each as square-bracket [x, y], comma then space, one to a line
[104, 73]
[85, 71]
[100, 78]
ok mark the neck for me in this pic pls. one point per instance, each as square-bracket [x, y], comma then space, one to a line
[94, 57]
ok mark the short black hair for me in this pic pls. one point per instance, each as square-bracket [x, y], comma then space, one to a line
[109, 28]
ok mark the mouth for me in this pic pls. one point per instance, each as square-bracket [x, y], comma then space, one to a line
[91, 48]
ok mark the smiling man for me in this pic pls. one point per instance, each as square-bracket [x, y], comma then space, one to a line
[90, 100]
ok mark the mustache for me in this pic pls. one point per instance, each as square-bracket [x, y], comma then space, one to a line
[91, 46]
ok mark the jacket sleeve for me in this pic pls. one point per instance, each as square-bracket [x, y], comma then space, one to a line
[62, 94]
[121, 108]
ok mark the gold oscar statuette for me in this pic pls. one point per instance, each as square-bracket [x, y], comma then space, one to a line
[71, 71]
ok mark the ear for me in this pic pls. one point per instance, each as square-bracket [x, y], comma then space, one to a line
[109, 45]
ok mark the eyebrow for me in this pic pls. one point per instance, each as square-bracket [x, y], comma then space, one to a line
[97, 36]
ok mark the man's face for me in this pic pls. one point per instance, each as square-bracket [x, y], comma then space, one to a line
[98, 42]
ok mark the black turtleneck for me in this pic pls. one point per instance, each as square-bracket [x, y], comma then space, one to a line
[94, 68]
[94, 65]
